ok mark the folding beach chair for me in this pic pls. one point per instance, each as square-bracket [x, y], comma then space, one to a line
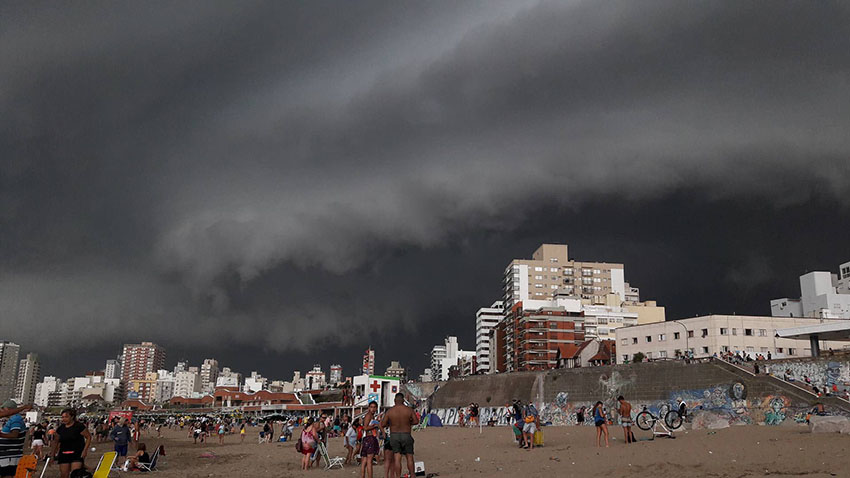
[26, 466]
[104, 466]
[423, 422]
[331, 462]
[152, 465]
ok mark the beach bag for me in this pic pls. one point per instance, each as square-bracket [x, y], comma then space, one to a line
[538, 438]
[299, 446]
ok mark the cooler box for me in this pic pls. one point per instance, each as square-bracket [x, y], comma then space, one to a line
[419, 468]
[538, 438]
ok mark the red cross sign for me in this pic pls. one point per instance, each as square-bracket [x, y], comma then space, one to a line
[375, 386]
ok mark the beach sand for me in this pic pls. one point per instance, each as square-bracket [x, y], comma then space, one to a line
[741, 452]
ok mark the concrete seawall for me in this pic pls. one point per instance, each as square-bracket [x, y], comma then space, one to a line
[715, 391]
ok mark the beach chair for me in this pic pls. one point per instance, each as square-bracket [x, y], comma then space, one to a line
[331, 463]
[152, 465]
[26, 466]
[423, 422]
[104, 466]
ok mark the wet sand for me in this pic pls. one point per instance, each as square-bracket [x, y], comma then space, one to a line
[741, 452]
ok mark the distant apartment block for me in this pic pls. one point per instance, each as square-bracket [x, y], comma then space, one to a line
[822, 294]
[485, 320]
[9, 353]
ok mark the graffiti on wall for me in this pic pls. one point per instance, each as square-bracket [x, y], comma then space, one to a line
[821, 373]
[451, 416]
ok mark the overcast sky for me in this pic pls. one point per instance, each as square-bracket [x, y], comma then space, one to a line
[277, 184]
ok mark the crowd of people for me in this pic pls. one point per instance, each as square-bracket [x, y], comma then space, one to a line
[66, 440]
[375, 438]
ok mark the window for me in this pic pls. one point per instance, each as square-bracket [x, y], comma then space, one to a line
[676, 335]
[553, 269]
[649, 355]
[792, 351]
[634, 340]
[553, 259]
[780, 350]
[705, 332]
[538, 269]
[750, 350]
[649, 338]
[705, 350]
[625, 341]
[662, 337]
[690, 336]
[538, 286]
[724, 331]
[553, 325]
[603, 331]
[724, 348]
[762, 332]
[662, 354]
[734, 331]
[538, 277]
[748, 332]
[763, 350]
[553, 286]
[568, 272]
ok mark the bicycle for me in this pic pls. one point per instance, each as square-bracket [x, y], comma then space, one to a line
[646, 421]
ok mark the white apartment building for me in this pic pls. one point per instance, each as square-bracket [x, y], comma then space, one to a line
[485, 319]
[112, 368]
[43, 390]
[551, 270]
[716, 334]
[255, 383]
[336, 374]
[187, 384]
[9, 353]
[822, 294]
[209, 374]
[446, 355]
[29, 373]
[315, 377]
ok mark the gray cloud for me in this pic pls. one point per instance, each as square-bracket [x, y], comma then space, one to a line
[193, 151]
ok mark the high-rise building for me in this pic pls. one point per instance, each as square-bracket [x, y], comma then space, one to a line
[485, 320]
[43, 390]
[112, 368]
[550, 270]
[228, 378]
[209, 375]
[369, 362]
[9, 353]
[29, 373]
[532, 340]
[138, 360]
[445, 356]
[822, 294]
[336, 374]
[187, 384]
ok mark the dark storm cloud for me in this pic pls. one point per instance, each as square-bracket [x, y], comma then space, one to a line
[262, 172]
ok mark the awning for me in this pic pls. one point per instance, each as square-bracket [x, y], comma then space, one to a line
[834, 331]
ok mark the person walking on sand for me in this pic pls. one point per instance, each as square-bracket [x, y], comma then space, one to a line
[71, 448]
[369, 447]
[600, 421]
[401, 418]
[625, 412]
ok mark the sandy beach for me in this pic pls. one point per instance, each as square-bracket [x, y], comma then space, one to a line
[741, 452]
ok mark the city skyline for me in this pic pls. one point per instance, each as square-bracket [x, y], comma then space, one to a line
[288, 183]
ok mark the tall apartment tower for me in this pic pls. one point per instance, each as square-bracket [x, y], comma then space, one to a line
[29, 374]
[550, 270]
[336, 374]
[138, 360]
[8, 369]
[486, 320]
[112, 368]
[209, 375]
[369, 362]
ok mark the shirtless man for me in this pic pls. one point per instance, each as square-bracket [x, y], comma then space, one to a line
[400, 418]
[625, 412]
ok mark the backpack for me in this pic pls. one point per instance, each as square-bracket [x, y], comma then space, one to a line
[299, 446]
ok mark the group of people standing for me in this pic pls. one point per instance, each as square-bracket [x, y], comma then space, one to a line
[377, 437]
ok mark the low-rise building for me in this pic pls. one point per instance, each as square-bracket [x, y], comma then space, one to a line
[822, 295]
[716, 334]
